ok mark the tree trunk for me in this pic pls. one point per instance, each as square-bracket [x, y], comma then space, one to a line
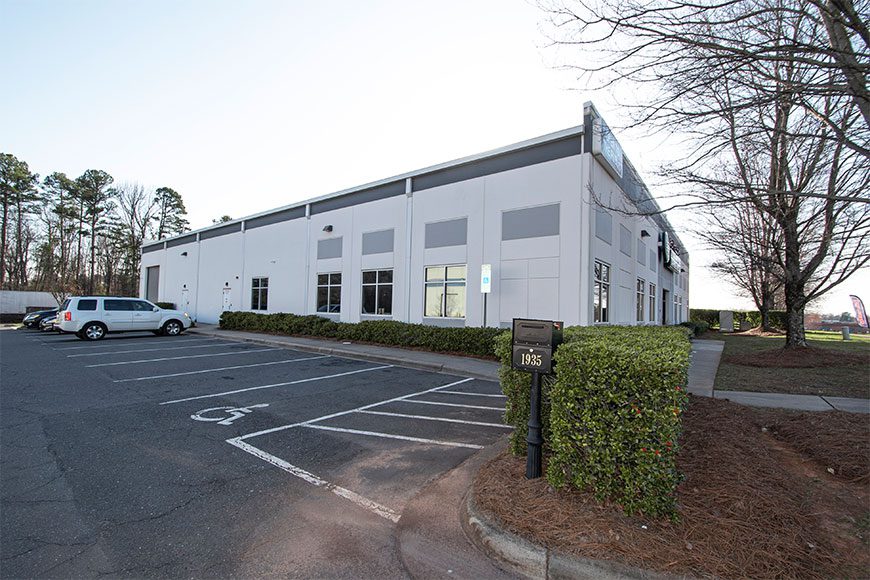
[3, 247]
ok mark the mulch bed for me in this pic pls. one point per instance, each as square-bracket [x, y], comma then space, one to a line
[803, 358]
[758, 500]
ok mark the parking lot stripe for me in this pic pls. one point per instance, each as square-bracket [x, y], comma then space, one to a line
[473, 394]
[391, 436]
[444, 419]
[265, 364]
[151, 349]
[306, 476]
[112, 344]
[340, 413]
[276, 385]
[454, 405]
[133, 362]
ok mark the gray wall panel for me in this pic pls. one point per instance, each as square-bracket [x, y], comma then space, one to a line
[603, 225]
[624, 240]
[505, 162]
[274, 218]
[449, 233]
[391, 189]
[377, 242]
[533, 222]
[330, 248]
[180, 241]
[221, 231]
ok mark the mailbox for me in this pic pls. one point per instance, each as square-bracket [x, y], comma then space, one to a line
[533, 344]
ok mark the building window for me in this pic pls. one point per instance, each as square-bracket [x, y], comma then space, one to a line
[445, 292]
[652, 302]
[259, 293]
[641, 299]
[601, 292]
[377, 292]
[329, 292]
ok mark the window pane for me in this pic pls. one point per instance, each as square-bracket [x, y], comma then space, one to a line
[434, 298]
[334, 298]
[264, 299]
[435, 274]
[255, 304]
[455, 300]
[87, 305]
[335, 278]
[142, 306]
[456, 272]
[605, 303]
[605, 273]
[264, 282]
[370, 277]
[322, 299]
[596, 301]
[385, 299]
[598, 270]
[385, 276]
[368, 300]
[322, 279]
[117, 305]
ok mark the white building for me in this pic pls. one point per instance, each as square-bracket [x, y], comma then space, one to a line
[563, 220]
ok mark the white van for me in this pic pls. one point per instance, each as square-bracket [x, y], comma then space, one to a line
[91, 317]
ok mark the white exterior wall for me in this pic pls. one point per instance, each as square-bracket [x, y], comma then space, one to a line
[548, 277]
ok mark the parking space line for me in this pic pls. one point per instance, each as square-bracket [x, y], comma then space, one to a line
[151, 349]
[265, 364]
[444, 419]
[340, 413]
[473, 394]
[455, 405]
[306, 476]
[391, 436]
[276, 385]
[110, 344]
[133, 362]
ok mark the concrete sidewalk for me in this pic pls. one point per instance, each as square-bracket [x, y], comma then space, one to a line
[702, 370]
[702, 377]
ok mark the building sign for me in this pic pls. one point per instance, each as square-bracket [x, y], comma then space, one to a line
[606, 148]
[667, 251]
[486, 278]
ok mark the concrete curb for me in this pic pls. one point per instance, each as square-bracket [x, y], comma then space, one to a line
[352, 354]
[533, 561]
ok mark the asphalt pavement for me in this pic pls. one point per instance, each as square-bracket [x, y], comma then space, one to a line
[205, 457]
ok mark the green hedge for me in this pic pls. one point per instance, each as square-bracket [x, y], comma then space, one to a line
[165, 305]
[695, 327]
[464, 340]
[752, 317]
[608, 414]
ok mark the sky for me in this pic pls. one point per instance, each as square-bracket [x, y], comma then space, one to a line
[246, 106]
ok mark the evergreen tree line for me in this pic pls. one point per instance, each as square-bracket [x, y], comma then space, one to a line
[79, 235]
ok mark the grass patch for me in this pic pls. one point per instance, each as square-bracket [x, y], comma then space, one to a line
[830, 366]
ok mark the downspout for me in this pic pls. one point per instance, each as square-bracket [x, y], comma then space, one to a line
[307, 281]
[409, 229]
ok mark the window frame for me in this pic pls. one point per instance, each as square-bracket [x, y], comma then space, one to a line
[377, 284]
[652, 301]
[443, 284]
[329, 286]
[262, 292]
[599, 284]
[640, 300]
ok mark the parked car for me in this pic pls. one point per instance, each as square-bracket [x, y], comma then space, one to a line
[48, 323]
[92, 317]
[33, 319]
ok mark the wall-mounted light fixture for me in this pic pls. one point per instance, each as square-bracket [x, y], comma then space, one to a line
[644, 234]
[184, 254]
[327, 228]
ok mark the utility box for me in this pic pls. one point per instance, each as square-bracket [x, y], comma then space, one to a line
[533, 344]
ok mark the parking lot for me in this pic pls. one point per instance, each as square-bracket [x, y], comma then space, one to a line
[196, 456]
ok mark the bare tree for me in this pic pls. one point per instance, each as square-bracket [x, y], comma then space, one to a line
[772, 96]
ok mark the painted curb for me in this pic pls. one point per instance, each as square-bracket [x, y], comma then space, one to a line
[534, 561]
[337, 351]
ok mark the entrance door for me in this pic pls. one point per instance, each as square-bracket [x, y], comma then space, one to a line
[228, 299]
[665, 296]
[185, 300]
[152, 283]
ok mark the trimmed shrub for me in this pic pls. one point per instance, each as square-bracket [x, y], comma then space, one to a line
[696, 328]
[463, 340]
[708, 315]
[616, 415]
[166, 305]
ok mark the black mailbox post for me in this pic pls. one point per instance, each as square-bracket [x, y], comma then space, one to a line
[533, 345]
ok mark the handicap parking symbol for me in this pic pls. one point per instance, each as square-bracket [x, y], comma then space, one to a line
[225, 415]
